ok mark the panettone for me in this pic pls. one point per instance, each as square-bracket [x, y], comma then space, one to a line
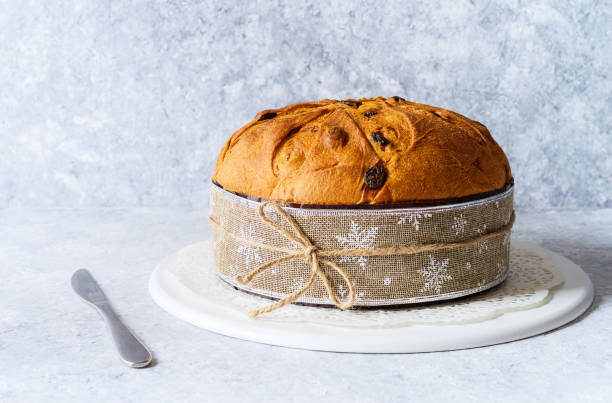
[365, 151]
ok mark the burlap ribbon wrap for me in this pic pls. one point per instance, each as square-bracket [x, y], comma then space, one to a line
[361, 257]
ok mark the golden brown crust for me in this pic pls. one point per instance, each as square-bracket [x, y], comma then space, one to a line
[320, 152]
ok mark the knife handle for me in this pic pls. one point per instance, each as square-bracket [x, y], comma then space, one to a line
[132, 352]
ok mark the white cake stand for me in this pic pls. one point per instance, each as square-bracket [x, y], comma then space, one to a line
[567, 302]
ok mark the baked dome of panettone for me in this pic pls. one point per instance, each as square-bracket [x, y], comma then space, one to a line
[366, 151]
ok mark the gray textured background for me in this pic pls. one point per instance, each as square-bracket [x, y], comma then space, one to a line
[126, 103]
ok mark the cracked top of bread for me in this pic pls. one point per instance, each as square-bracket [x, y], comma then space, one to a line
[362, 152]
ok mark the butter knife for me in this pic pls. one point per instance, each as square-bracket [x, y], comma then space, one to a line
[132, 352]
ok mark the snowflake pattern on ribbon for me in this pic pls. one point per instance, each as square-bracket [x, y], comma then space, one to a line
[435, 275]
[459, 224]
[342, 291]
[506, 240]
[484, 245]
[501, 266]
[250, 253]
[298, 284]
[357, 238]
[233, 271]
[482, 230]
[413, 218]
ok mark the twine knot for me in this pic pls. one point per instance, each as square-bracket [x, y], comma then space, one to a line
[309, 253]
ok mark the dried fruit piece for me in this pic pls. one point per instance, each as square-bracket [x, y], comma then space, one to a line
[379, 138]
[375, 177]
[397, 99]
[354, 104]
[268, 115]
[369, 114]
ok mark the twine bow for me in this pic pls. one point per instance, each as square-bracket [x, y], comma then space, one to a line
[314, 257]
[309, 253]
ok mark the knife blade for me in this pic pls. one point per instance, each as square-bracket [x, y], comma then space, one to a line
[131, 350]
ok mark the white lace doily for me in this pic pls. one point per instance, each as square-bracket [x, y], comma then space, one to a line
[544, 291]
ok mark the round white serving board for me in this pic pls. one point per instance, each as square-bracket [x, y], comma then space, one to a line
[572, 299]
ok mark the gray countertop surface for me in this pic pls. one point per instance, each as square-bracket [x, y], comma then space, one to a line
[55, 348]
